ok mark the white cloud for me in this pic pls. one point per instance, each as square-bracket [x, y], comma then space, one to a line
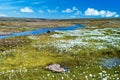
[102, 13]
[51, 11]
[74, 11]
[3, 15]
[27, 9]
[41, 11]
[117, 15]
[68, 10]
[91, 12]
[110, 14]
[74, 8]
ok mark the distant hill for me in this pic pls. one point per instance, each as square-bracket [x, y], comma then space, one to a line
[21, 19]
[43, 19]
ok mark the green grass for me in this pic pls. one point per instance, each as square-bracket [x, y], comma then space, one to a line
[25, 58]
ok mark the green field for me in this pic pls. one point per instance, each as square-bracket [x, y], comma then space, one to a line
[81, 51]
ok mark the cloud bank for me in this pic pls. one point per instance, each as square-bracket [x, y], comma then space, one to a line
[102, 13]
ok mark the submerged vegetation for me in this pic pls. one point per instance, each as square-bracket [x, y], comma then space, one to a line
[81, 51]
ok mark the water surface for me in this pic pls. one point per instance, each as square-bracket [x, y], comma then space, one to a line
[42, 31]
[110, 62]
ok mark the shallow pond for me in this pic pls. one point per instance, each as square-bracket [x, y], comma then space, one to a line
[42, 31]
[110, 62]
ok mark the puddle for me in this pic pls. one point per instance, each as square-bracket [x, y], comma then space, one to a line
[110, 62]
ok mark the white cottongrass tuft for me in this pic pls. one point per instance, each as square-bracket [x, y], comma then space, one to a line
[105, 78]
[32, 37]
[83, 38]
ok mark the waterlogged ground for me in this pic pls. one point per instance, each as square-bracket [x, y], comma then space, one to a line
[81, 51]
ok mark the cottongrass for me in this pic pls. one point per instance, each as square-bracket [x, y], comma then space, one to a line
[76, 74]
[32, 37]
[85, 38]
[94, 39]
[90, 39]
[104, 78]
[77, 33]
[77, 40]
[57, 36]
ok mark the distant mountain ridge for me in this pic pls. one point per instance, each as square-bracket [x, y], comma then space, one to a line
[21, 19]
[43, 19]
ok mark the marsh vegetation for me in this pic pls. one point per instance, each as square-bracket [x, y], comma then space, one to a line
[81, 50]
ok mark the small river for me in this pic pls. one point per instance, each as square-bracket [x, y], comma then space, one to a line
[42, 31]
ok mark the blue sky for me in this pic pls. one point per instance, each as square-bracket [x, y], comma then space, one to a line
[57, 9]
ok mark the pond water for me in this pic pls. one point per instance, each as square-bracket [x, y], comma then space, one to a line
[42, 31]
[110, 62]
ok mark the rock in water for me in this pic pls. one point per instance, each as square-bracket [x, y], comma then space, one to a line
[55, 68]
[48, 31]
